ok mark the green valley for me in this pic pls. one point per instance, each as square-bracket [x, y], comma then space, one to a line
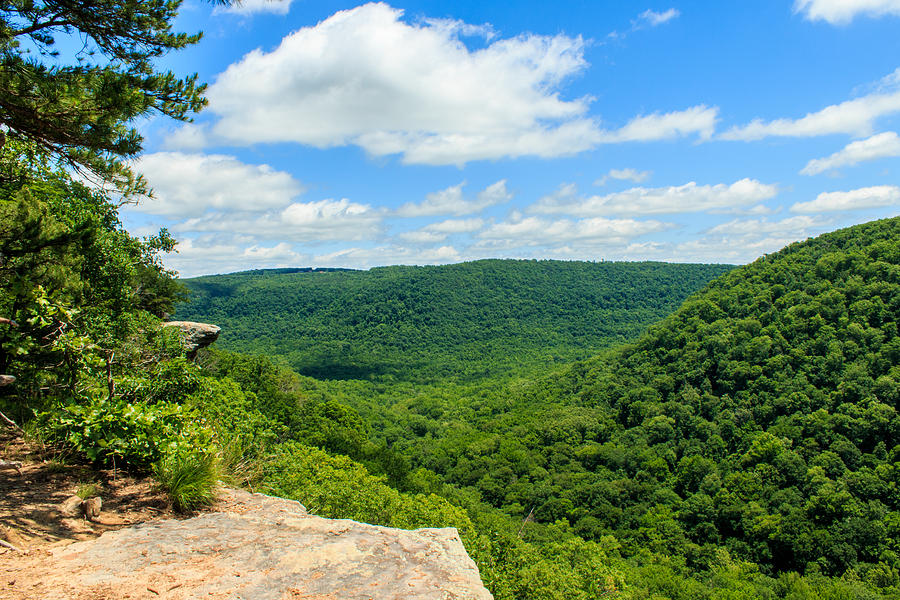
[629, 430]
[745, 446]
[459, 322]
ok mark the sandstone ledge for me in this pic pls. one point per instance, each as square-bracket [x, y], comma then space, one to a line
[261, 548]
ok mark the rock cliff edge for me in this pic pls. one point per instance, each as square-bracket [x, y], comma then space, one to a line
[259, 548]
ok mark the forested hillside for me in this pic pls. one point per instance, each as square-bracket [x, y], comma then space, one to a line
[762, 415]
[758, 422]
[457, 322]
[747, 446]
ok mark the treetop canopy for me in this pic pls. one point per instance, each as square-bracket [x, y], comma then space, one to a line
[81, 107]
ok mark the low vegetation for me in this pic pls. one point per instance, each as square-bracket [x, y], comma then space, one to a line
[189, 479]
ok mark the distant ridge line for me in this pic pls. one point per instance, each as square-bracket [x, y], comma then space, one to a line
[280, 271]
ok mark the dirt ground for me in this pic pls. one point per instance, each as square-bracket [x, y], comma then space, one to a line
[35, 482]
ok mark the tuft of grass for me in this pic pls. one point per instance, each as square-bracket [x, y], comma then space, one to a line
[189, 478]
[87, 490]
[237, 469]
[58, 464]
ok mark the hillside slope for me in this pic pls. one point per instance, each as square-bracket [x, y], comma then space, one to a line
[473, 319]
[760, 418]
[772, 399]
[747, 446]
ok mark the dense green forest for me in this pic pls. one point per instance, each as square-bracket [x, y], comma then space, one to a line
[460, 322]
[746, 446]
[759, 422]
[752, 432]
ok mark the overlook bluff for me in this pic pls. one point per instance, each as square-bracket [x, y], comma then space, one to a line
[256, 547]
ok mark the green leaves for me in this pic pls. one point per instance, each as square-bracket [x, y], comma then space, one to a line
[136, 435]
[79, 107]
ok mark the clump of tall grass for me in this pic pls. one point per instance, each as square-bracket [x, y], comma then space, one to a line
[190, 478]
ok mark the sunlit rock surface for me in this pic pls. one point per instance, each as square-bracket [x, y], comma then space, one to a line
[263, 548]
[195, 335]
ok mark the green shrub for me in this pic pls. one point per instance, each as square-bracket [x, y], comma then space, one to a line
[338, 487]
[133, 435]
[189, 477]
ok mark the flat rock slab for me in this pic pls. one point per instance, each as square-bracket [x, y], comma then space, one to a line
[195, 335]
[260, 548]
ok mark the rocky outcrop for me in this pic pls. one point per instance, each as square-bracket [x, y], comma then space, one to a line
[262, 548]
[195, 335]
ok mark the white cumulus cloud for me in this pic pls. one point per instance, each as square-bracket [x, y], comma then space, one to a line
[190, 184]
[388, 255]
[318, 221]
[698, 119]
[624, 175]
[689, 197]
[792, 227]
[867, 197]
[878, 146]
[364, 76]
[841, 12]
[653, 18]
[536, 231]
[205, 256]
[853, 117]
[451, 201]
[368, 78]
[456, 226]
[438, 232]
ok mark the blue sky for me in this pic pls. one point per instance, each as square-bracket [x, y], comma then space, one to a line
[358, 135]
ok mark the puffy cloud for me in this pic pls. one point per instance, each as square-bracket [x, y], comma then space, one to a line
[245, 7]
[878, 146]
[792, 227]
[279, 252]
[206, 255]
[867, 197]
[450, 201]
[363, 76]
[840, 12]
[190, 184]
[624, 175]
[743, 240]
[438, 232]
[728, 248]
[737, 241]
[689, 197]
[699, 120]
[456, 226]
[319, 221]
[422, 236]
[535, 231]
[388, 255]
[652, 18]
[190, 136]
[853, 117]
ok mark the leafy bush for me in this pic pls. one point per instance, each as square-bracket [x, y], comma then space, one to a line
[337, 487]
[133, 435]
